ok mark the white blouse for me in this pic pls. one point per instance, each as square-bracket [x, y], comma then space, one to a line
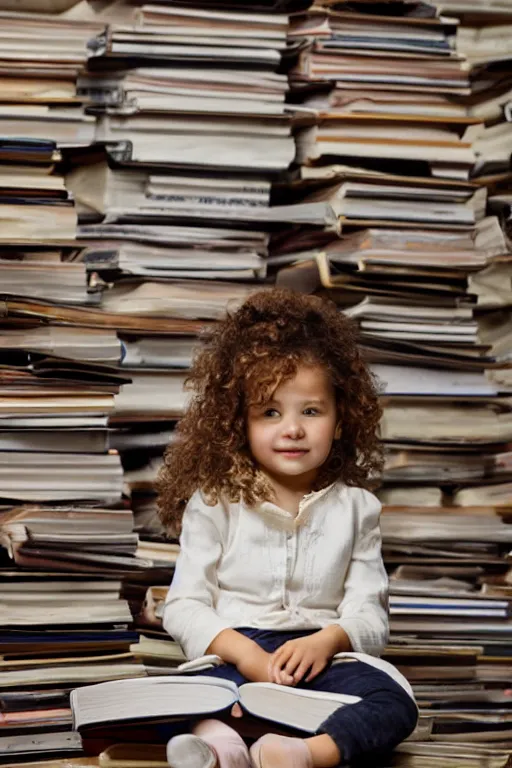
[262, 567]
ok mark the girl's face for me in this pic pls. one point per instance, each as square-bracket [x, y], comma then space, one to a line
[291, 436]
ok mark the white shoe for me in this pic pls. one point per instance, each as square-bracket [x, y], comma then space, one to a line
[189, 751]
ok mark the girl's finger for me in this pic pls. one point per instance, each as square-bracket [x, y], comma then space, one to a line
[277, 660]
[286, 679]
[317, 667]
[301, 670]
[276, 675]
[292, 663]
[285, 649]
[282, 659]
[273, 662]
[278, 652]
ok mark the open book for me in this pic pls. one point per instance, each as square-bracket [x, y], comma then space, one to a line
[152, 699]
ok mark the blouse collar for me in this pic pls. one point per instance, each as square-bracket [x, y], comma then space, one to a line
[286, 518]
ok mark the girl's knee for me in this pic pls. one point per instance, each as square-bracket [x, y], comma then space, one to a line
[401, 714]
[371, 729]
[410, 716]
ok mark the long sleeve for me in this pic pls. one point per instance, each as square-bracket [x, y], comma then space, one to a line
[189, 614]
[363, 610]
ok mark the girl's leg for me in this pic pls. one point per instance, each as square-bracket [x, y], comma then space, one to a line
[210, 743]
[272, 751]
[383, 718]
[372, 727]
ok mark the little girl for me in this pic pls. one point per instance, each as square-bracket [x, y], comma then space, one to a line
[280, 566]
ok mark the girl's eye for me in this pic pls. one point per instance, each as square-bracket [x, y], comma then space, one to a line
[270, 412]
[310, 411]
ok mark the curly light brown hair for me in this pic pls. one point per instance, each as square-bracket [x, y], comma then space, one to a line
[242, 361]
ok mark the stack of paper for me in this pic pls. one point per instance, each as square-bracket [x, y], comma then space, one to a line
[485, 40]
[34, 205]
[63, 620]
[179, 134]
[393, 82]
[405, 138]
[176, 214]
[450, 598]
[53, 424]
[56, 387]
[40, 60]
[194, 63]
[59, 627]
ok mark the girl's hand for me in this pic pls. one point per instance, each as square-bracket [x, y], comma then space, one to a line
[312, 654]
[256, 664]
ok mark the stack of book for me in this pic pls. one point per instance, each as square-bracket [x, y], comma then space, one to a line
[59, 626]
[175, 212]
[55, 396]
[450, 600]
[215, 72]
[41, 56]
[176, 204]
[408, 143]
[163, 245]
[69, 556]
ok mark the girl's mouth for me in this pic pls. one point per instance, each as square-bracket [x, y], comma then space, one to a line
[293, 454]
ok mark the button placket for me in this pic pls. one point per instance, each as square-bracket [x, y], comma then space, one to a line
[291, 541]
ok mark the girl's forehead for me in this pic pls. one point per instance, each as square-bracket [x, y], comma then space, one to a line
[312, 380]
[305, 381]
[307, 375]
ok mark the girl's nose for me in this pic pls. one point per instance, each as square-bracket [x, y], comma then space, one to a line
[294, 430]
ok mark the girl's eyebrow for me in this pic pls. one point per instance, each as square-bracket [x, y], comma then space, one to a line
[309, 401]
[263, 406]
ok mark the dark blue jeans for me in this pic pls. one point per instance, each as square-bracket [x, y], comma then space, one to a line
[383, 718]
